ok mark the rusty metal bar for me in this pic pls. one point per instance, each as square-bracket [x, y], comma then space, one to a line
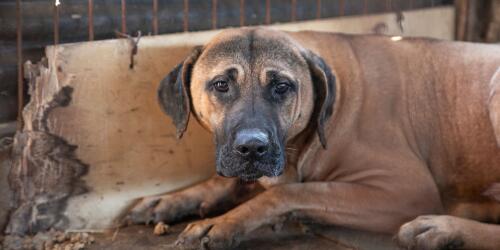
[341, 8]
[186, 15]
[410, 4]
[91, 20]
[294, 10]
[462, 7]
[318, 9]
[155, 17]
[388, 5]
[268, 11]
[19, 50]
[214, 14]
[124, 16]
[365, 6]
[242, 12]
[56, 24]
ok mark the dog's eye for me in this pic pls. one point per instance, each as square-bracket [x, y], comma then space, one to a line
[281, 88]
[221, 86]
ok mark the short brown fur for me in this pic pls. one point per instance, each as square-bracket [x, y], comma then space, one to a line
[414, 132]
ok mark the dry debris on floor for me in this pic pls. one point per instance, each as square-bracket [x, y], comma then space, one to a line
[292, 236]
[51, 240]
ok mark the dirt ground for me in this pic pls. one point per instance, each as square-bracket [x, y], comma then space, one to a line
[290, 237]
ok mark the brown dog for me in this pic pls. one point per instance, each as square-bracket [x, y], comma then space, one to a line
[373, 133]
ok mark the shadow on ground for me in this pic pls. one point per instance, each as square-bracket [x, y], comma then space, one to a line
[290, 237]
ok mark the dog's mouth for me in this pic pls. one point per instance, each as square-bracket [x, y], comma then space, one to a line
[250, 171]
[229, 165]
[249, 177]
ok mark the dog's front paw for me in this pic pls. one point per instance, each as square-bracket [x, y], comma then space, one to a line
[166, 208]
[431, 232]
[216, 233]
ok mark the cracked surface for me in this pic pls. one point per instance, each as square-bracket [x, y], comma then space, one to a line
[45, 171]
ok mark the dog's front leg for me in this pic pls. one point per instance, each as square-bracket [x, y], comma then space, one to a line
[450, 232]
[216, 193]
[347, 204]
[433, 232]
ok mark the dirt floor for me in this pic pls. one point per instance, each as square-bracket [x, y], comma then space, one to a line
[290, 237]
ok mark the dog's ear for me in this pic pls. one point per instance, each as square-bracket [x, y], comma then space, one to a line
[173, 92]
[324, 89]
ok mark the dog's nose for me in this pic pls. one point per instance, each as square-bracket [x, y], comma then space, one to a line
[251, 143]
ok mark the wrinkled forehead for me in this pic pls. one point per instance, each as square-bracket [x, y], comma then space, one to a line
[252, 49]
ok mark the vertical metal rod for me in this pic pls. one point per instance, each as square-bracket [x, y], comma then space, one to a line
[388, 5]
[318, 9]
[155, 17]
[410, 5]
[56, 24]
[214, 14]
[268, 11]
[19, 50]
[242, 12]
[186, 15]
[91, 20]
[342, 8]
[124, 16]
[294, 9]
[365, 6]
[462, 8]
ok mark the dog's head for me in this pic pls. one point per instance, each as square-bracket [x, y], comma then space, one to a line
[255, 89]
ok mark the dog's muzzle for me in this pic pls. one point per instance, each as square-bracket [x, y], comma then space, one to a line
[251, 155]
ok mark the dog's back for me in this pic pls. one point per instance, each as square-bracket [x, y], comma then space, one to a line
[463, 154]
[442, 90]
[383, 130]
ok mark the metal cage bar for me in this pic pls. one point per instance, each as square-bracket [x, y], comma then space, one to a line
[186, 16]
[124, 16]
[155, 17]
[91, 19]
[242, 12]
[214, 14]
[268, 11]
[341, 8]
[56, 24]
[318, 9]
[19, 54]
